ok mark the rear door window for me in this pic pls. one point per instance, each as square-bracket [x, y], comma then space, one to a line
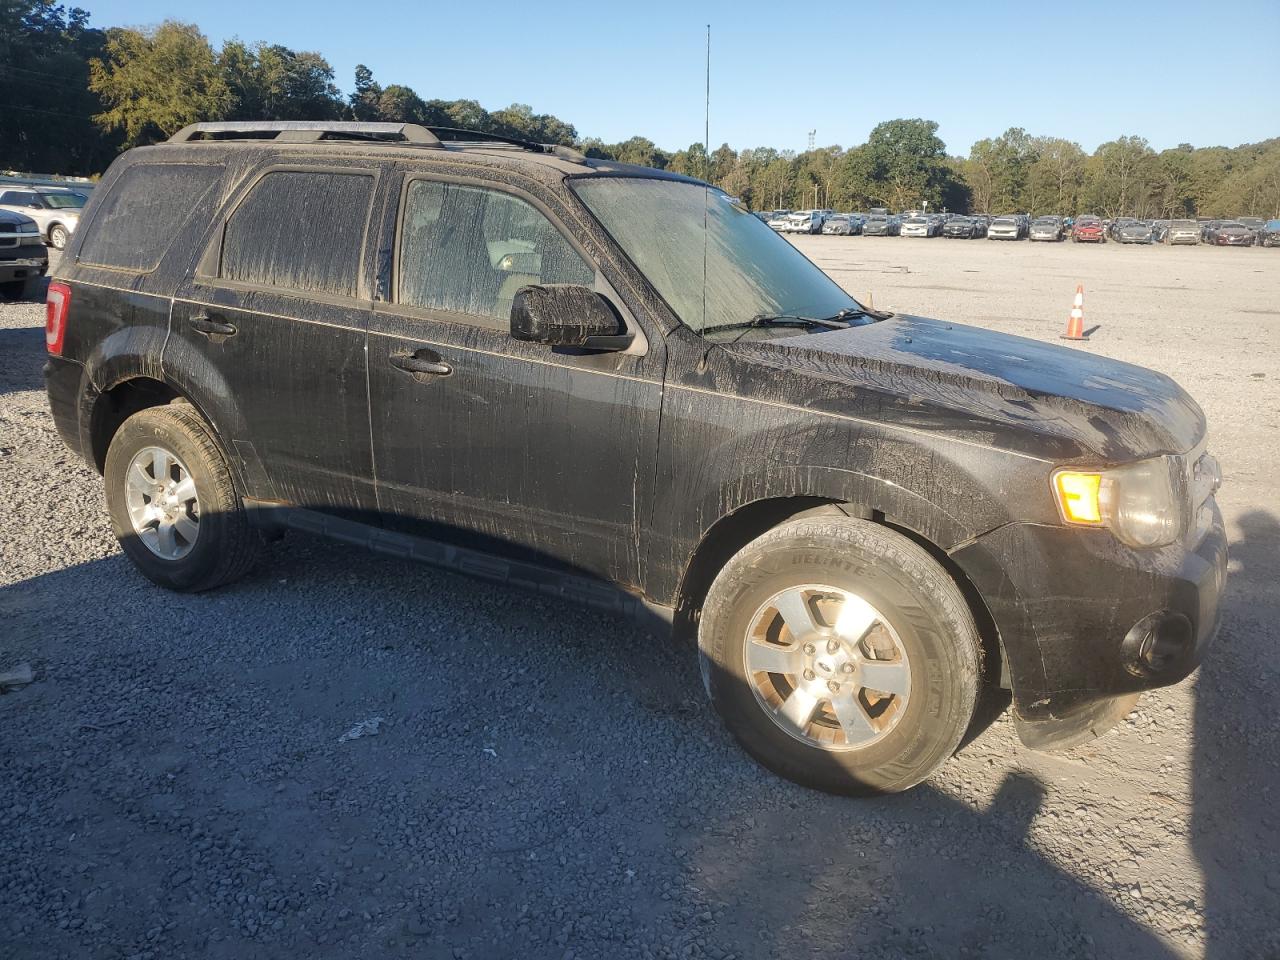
[139, 217]
[300, 230]
[467, 250]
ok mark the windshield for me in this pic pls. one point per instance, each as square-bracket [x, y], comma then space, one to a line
[62, 201]
[750, 271]
[1046, 221]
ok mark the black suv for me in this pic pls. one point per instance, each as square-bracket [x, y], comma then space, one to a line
[615, 385]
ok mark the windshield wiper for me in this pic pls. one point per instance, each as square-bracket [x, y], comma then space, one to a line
[839, 321]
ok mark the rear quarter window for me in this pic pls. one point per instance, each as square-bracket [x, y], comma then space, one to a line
[300, 230]
[139, 217]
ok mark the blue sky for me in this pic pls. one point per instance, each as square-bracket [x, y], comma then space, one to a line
[1170, 71]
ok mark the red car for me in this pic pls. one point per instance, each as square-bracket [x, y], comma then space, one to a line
[1088, 230]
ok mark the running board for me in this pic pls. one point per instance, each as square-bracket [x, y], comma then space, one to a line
[582, 590]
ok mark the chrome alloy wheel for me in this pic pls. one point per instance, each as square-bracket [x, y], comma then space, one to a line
[162, 502]
[827, 667]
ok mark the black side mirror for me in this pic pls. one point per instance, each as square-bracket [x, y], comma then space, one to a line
[567, 315]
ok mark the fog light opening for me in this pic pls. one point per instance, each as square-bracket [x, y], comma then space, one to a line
[1157, 642]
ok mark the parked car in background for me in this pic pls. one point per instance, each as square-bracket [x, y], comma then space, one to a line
[1208, 228]
[1253, 223]
[55, 210]
[1269, 235]
[844, 510]
[1088, 229]
[1182, 232]
[804, 221]
[841, 225]
[778, 221]
[1005, 228]
[961, 228]
[1232, 234]
[1135, 231]
[22, 253]
[1047, 228]
[880, 225]
[919, 227]
[1116, 225]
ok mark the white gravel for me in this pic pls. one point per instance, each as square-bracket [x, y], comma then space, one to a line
[546, 782]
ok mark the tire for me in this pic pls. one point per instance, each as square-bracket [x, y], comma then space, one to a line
[224, 546]
[58, 236]
[921, 620]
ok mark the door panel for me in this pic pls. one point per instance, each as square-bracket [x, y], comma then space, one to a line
[517, 446]
[295, 391]
[275, 320]
[488, 441]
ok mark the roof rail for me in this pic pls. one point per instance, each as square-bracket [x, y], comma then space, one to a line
[304, 131]
[461, 135]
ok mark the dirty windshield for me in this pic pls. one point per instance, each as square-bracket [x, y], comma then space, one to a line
[675, 231]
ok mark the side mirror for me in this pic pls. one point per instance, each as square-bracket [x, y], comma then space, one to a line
[567, 315]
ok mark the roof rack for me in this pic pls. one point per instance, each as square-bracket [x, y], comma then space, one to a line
[461, 135]
[311, 131]
[305, 131]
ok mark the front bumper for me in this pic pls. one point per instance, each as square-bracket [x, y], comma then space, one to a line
[1066, 603]
[22, 268]
[1190, 238]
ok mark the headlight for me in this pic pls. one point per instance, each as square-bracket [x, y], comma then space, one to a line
[28, 228]
[1143, 503]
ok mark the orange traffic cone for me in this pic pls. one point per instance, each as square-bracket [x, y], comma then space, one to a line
[1075, 322]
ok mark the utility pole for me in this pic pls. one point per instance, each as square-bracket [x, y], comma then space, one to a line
[812, 136]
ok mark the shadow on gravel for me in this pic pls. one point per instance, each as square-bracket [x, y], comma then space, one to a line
[547, 780]
[22, 355]
[1236, 766]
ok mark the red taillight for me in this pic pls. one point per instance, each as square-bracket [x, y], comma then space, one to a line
[55, 317]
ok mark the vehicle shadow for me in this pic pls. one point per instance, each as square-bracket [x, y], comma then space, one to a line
[583, 776]
[1236, 759]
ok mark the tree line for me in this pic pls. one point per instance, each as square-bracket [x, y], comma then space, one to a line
[72, 96]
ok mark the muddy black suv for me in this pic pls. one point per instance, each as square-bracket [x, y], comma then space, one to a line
[614, 385]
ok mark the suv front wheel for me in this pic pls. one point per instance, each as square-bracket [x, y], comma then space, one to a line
[841, 655]
[173, 503]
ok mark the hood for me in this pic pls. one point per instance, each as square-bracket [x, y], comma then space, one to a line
[1051, 401]
[11, 219]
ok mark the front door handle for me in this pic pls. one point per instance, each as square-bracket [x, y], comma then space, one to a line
[213, 329]
[422, 362]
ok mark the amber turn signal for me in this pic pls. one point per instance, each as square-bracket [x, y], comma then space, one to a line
[1078, 496]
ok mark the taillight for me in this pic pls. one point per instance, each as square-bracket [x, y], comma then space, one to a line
[55, 317]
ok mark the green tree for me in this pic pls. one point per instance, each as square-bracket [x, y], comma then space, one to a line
[154, 82]
[1056, 177]
[908, 162]
[1120, 177]
[46, 124]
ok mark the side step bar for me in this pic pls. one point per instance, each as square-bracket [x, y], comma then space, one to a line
[575, 588]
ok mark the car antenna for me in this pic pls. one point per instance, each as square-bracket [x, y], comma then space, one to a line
[706, 179]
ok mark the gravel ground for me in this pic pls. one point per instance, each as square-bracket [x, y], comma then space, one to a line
[548, 783]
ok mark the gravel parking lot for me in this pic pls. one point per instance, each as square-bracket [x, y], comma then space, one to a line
[549, 783]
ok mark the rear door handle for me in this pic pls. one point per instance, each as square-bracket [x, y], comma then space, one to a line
[422, 362]
[206, 325]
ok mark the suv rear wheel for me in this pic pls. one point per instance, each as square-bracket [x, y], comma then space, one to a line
[58, 236]
[173, 504]
[841, 655]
